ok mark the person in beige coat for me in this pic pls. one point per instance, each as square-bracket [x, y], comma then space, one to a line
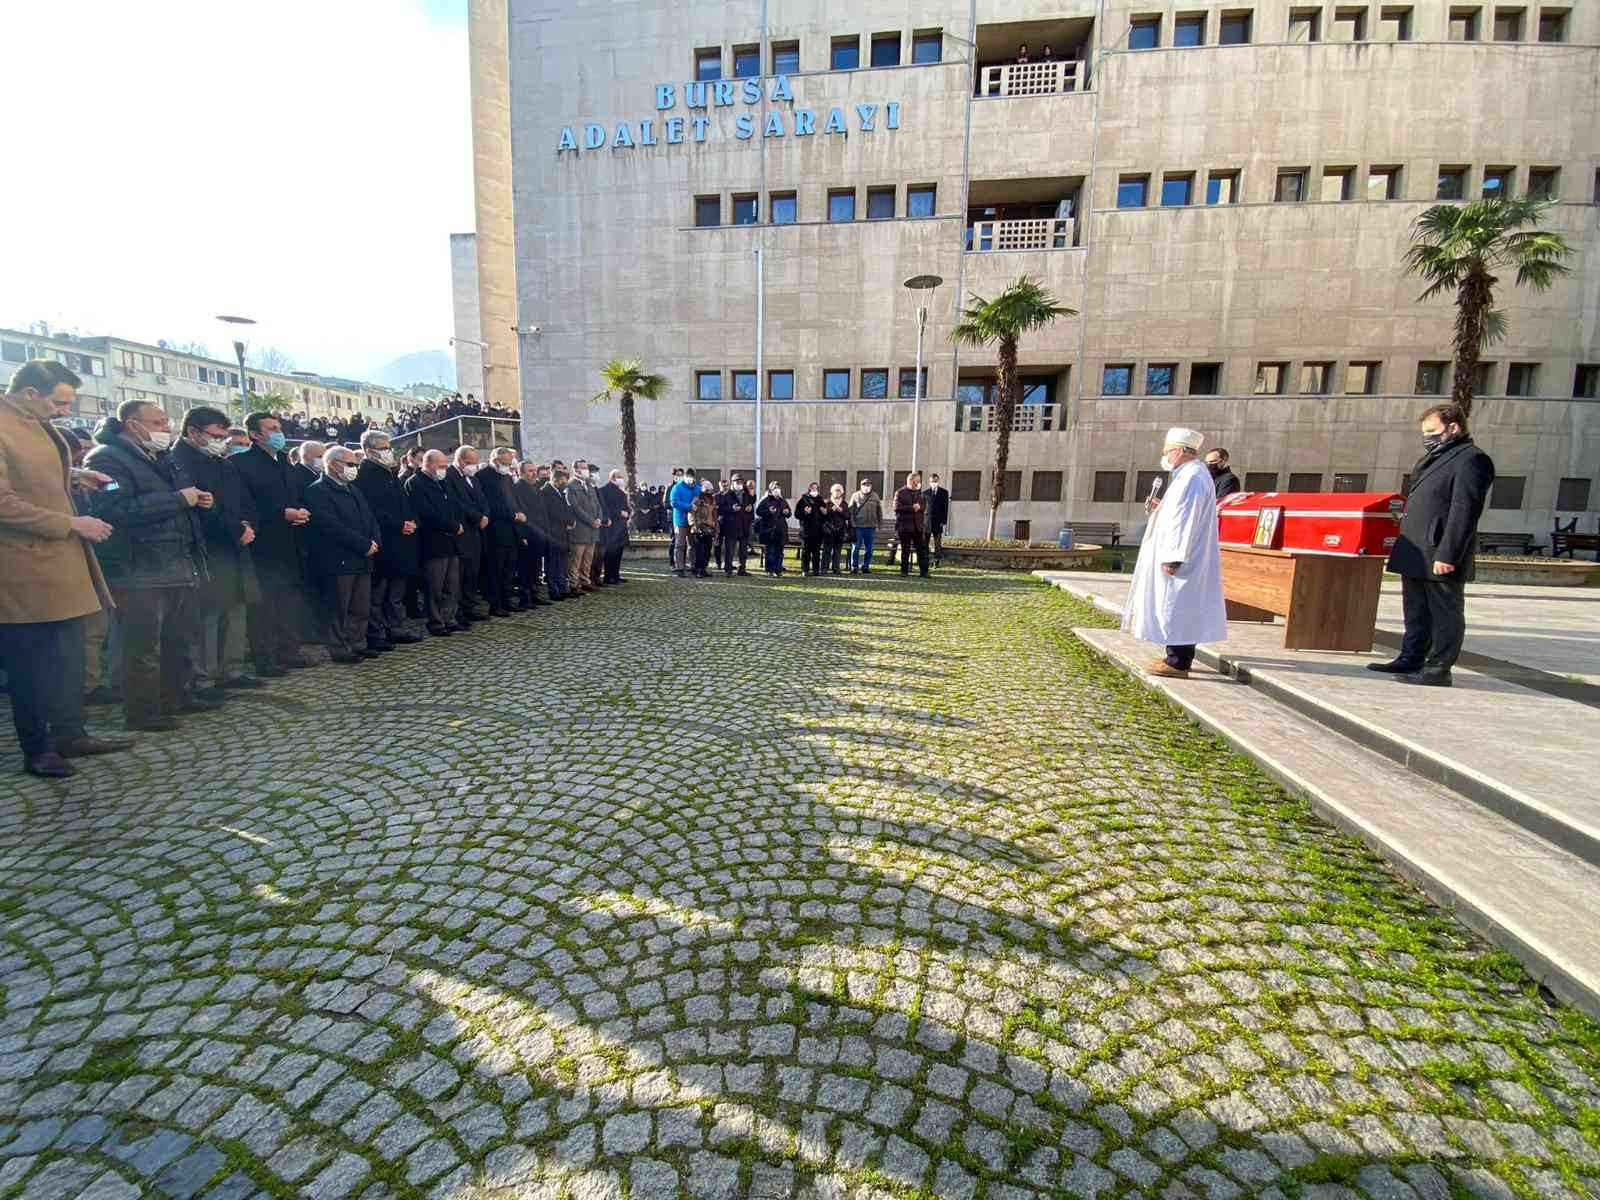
[49, 577]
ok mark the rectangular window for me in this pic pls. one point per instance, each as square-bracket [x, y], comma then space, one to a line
[1046, 486]
[1544, 183]
[1234, 30]
[1552, 24]
[1572, 495]
[1349, 481]
[1291, 186]
[1483, 379]
[1383, 183]
[1117, 379]
[1349, 25]
[1452, 184]
[744, 385]
[1132, 191]
[1189, 29]
[1260, 481]
[708, 385]
[785, 58]
[1522, 379]
[1305, 481]
[780, 385]
[845, 54]
[908, 382]
[707, 211]
[927, 47]
[1144, 480]
[1336, 183]
[1222, 187]
[875, 383]
[1316, 378]
[1497, 182]
[921, 200]
[1430, 378]
[1595, 195]
[1361, 378]
[842, 205]
[708, 63]
[1177, 190]
[746, 209]
[1508, 24]
[1271, 379]
[880, 203]
[1205, 379]
[16, 352]
[1507, 492]
[1305, 24]
[886, 49]
[1158, 378]
[836, 384]
[1463, 25]
[1394, 25]
[1110, 486]
[1011, 486]
[1586, 381]
[963, 485]
[785, 208]
[746, 62]
[1144, 33]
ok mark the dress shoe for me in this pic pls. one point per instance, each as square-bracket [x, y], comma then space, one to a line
[297, 664]
[1165, 670]
[499, 612]
[201, 702]
[368, 652]
[376, 648]
[461, 627]
[743, 572]
[345, 659]
[242, 682]
[438, 631]
[1427, 678]
[1398, 666]
[152, 725]
[100, 695]
[270, 673]
[83, 747]
[403, 639]
[50, 766]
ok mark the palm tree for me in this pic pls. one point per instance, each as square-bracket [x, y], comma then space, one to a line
[628, 376]
[1023, 307]
[1459, 247]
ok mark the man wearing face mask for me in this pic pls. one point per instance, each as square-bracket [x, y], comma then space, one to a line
[936, 507]
[344, 541]
[307, 459]
[557, 521]
[1434, 553]
[1176, 597]
[866, 514]
[200, 459]
[681, 501]
[397, 560]
[1227, 483]
[808, 511]
[597, 564]
[668, 519]
[772, 519]
[532, 548]
[280, 519]
[154, 561]
[462, 480]
[439, 525]
[618, 510]
[586, 532]
[505, 524]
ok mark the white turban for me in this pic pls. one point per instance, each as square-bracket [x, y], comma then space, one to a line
[1190, 439]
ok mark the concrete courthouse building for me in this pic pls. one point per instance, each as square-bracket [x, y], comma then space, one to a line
[1223, 192]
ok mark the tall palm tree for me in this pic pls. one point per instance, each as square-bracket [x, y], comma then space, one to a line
[628, 377]
[1023, 307]
[1459, 247]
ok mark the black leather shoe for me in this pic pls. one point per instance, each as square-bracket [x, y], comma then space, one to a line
[244, 681]
[1398, 666]
[346, 659]
[461, 627]
[438, 631]
[403, 639]
[375, 648]
[152, 725]
[50, 766]
[270, 673]
[83, 747]
[297, 664]
[1427, 678]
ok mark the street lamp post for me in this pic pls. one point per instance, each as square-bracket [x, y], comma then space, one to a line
[919, 283]
[238, 350]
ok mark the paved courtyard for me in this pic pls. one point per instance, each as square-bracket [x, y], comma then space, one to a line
[724, 889]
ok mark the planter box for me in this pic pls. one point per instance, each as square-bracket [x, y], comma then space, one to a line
[1020, 558]
[1536, 572]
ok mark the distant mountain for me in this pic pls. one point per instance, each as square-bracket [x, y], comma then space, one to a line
[425, 366]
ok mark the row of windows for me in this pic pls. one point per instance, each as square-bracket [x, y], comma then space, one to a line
[783, 208]
[1321, 378]
[844, 54]
[871, 383]
[1509, 492]
[1350, 23]
[85, 365]
[1335, 182]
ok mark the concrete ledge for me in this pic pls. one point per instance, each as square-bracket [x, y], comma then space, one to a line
[1526, 896]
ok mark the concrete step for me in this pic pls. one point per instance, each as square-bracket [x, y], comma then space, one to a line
[1533, 899]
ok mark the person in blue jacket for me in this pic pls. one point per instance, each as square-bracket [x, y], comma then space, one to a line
[681, 501]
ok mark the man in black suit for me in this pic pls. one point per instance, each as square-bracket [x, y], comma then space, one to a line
[936, 508]
[616, 512]
[1434, 552]
[397, 562]
[461, 479]
[344, 541]
[1221, 473]
[532, 546]
[272, 492]
[439, 525]
[557, 520]
[504, 531]
[307, 460]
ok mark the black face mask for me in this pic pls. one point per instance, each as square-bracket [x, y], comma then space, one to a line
[1217, 469]
[1432, 441]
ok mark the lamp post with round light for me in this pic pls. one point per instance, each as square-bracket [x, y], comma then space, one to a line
[238, 350]
[919, 283]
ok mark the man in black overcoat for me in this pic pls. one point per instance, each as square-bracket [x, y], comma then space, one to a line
[397, 561]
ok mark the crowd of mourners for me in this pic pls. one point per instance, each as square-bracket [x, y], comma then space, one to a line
[447, 409]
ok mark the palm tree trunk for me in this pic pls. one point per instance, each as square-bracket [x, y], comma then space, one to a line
[1005, 415]
[630, 442]
[1473, 299]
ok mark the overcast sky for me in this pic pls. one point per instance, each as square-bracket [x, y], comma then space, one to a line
[301, 162]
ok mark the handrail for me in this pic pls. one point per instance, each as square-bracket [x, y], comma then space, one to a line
[1034, 233]
[1032, 78]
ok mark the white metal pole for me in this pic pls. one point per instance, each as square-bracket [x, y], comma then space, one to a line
[916, 403]
[761, 379]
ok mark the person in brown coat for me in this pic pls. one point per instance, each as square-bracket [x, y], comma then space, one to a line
[703, 520]
[49, 577]
[910, 525]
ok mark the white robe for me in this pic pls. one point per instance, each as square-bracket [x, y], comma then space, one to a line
[1187, 608]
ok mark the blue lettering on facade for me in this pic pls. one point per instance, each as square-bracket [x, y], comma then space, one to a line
[722, 91]
[624, 137]
[744, 128]
[647, 133]
[866, 112]
[894, 114]
[835, 123]
[780, 89]
[594, 136]
[752, 90]
[567, 142]
[774, 126]
[700, 124]
[674, 130]
[665, 96]
[805, 121]
[694, 94]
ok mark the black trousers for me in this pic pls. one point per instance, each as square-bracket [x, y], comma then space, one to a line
[613, 561]
[1435, 609]
[500, 573]
[274, 623]
[384, 615]
[1180, 658]
[469, 549]
[910, 542]
[702, 552]
[735, 553]
[43, 662]
[530, 561]
[158, 628]
[811, 552]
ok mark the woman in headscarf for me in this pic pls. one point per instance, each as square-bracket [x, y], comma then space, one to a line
[772, 519]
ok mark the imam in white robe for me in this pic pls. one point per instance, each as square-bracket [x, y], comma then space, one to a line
[1185, 609]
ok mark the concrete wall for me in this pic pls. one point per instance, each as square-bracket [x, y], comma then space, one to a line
[491, 160]
[464, 303]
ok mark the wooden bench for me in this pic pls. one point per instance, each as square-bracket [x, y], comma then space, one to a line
[1565, 539]
[1505, 543]
[1106, 533]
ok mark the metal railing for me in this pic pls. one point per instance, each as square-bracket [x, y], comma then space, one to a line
[1030, 418]
[484, 433]
[1043, 233]
[1034, 78]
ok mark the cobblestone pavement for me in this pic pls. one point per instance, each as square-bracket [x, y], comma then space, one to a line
[717, 889]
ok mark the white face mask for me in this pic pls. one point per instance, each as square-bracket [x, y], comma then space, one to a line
[1165, 466]
[504, 470]
[160, 439]
[217, 447]
[384, 457]
[439, 473]
[470, 469]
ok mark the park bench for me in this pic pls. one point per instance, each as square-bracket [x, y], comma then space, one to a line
[1096, 533]
[1505, 543]
[1565, 539]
